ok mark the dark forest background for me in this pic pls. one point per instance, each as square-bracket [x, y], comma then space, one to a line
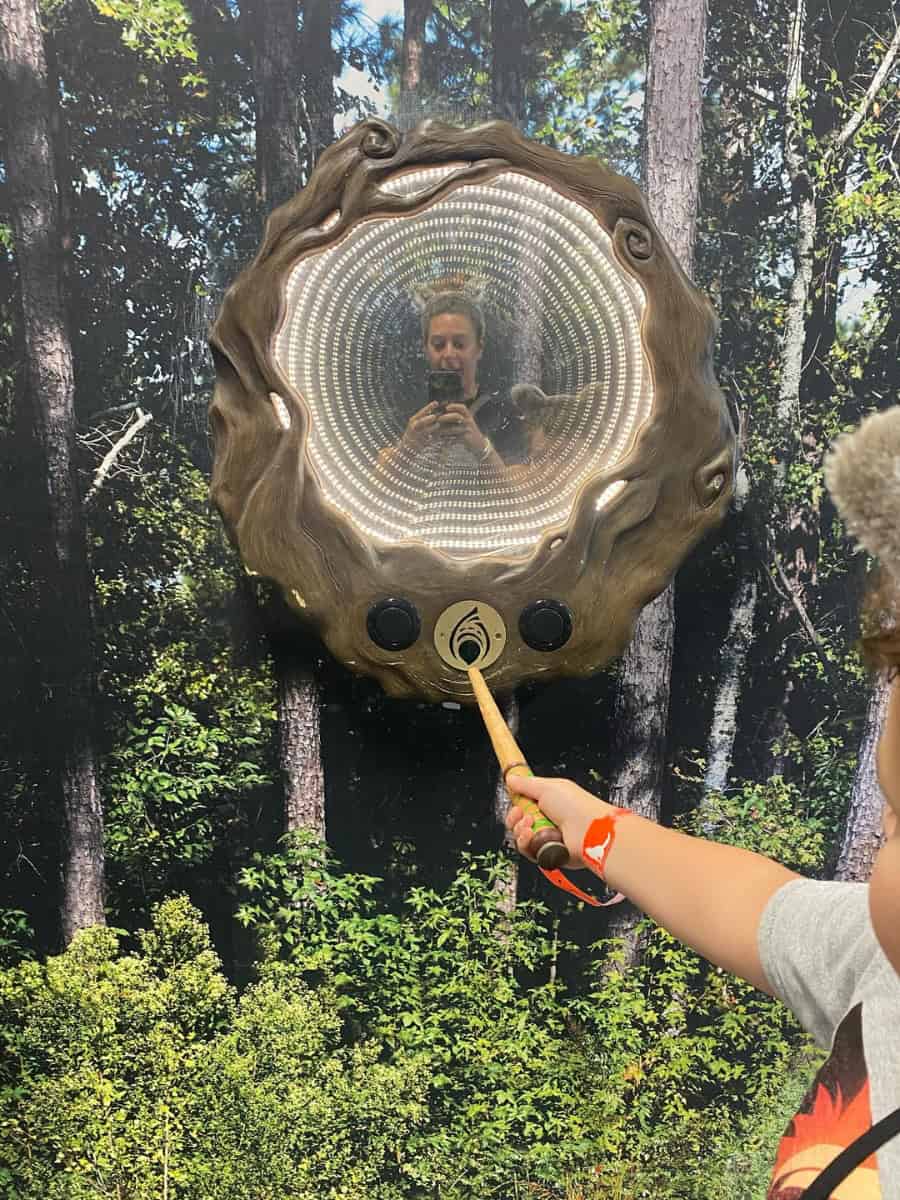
[407, 1012]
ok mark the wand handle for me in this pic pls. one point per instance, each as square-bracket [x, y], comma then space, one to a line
[546, 844]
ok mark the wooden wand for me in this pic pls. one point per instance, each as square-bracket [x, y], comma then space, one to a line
[546, 844]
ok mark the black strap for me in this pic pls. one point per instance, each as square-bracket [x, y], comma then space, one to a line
[839, 1168]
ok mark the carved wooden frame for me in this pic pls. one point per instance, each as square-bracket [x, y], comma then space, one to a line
[677, 476]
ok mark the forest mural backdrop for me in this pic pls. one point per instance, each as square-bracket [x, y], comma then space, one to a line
[383, 1003]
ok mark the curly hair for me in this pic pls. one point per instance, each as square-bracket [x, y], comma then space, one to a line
[862, 473]
[880, 624]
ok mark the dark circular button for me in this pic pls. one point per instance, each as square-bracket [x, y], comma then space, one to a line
[545, 624]
[393, 624]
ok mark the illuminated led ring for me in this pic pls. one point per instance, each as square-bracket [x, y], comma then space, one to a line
[542, 256]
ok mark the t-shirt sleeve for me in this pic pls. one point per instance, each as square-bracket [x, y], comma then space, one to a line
[815, 943]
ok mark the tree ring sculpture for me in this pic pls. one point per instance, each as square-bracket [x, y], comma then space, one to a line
[465, 367]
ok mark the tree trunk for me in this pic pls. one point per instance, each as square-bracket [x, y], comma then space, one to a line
[737, 645]
[270, 27]
[794, 337]
[317, 64]
[509, 28]
[640, 720]
[272, 30]
[672, 132]
[299, 744]
[837, 37]
[68, 635]
[507, 887]
[795, 545]
[862, 837]
[795, 554]
[412, 53]
[737, 269]
[735, 650]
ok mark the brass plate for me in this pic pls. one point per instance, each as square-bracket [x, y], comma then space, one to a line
[466, 625]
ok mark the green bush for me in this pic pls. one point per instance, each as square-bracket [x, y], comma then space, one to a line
[511, 1089]
[775, 818]
[143, 1075]
[431, 1052]
[533, 1082]
[16, 936]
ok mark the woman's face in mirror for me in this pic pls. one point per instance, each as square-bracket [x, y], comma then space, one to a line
[452, 345]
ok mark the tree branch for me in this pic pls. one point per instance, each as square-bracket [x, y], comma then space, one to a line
[118, 410]
[141, 419]
[859, 113]
[805, 621]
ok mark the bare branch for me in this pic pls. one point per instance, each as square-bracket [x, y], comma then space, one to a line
[859, 113]
[141, 419]
[811, 632]
[117, 410]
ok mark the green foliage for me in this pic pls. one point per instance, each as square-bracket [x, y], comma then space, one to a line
[592, 88]
[740, 1165]
[428, 1053]
[159, 29]
[533, 1079]
[15, 936]
[171, 778]
[144, 1075]
[771, 818]
[509, 1090]
[189, 727]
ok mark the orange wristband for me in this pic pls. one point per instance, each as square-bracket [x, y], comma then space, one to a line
[598, 840]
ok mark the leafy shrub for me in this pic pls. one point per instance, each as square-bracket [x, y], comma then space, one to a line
[771, 818]
[143, 1075]
[15, 936]
[511, 1090]
[434, 1051]
[533, 1083]
[187, 744]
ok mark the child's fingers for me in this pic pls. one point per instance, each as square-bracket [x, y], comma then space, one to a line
[530, 786]
[513, 816]
[551, 795]
[524, 827]
[531, 793]
[522, 832]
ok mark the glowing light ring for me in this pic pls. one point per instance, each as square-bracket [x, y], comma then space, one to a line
[539, 253]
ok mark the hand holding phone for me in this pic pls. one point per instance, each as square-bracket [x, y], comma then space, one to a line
[445, 387]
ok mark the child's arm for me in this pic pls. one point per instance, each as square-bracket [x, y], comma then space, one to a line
[708, 895]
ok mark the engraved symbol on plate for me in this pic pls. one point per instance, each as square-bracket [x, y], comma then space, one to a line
[469, 633]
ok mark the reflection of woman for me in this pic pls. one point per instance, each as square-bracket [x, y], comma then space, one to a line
[483, 429]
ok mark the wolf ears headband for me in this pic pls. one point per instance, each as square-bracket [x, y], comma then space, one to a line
[862, 473]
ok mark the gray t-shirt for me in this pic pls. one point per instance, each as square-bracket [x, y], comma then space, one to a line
[821, 956]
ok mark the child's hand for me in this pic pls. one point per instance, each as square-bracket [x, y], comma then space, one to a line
[565, 803]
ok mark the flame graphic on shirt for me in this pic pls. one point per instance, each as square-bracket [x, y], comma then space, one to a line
[817, 1138]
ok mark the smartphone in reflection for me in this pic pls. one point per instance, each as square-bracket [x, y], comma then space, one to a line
[445, 387]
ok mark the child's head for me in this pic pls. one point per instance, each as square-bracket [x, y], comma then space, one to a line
[863, 476]
[881, 645]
